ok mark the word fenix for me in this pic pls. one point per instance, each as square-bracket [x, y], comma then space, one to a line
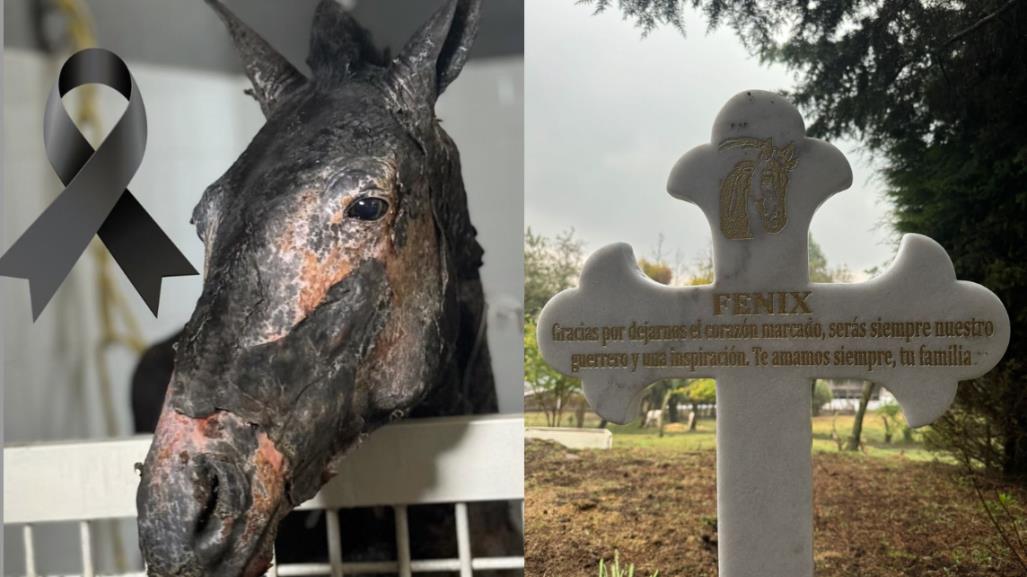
[762, 303]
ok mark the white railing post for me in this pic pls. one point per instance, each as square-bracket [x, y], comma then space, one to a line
[463, 540]
[30, 551]
[334, 541]
[86, 539]
[402, 541]
[467, 459]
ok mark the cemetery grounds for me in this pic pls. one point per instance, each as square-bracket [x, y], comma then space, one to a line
[893, 509]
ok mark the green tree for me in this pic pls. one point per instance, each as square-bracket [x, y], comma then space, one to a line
[658, 271]
[659, 394]
[821, 271]
[702, 270]
[550, 266]
[822, 395]
[934, 88]
[653, 398]
[700, 392]
[658, 397]
[818, 270]
[891, 419]
[551, 390]
[855, 440]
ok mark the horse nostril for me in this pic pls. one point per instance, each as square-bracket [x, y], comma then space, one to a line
[207, 513]
[212, 528]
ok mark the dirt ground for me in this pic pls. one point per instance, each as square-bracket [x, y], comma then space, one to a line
[874, 517]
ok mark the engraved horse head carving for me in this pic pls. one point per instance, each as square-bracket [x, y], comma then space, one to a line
[759, 185]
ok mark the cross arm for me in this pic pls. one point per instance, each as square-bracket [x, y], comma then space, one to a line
[915, 329]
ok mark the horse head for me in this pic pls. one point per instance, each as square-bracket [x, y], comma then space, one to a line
[759, 186]
[341, 288]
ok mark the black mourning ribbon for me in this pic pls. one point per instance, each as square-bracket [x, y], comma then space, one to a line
[95, 199]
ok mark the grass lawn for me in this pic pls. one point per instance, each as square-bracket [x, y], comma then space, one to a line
[873, 517]
[676, 437]
[891, 510]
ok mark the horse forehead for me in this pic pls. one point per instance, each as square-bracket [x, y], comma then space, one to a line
[358, 115]
[324, 148]
[289, 174]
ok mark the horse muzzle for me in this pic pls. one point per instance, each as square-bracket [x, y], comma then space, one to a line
[210, 498]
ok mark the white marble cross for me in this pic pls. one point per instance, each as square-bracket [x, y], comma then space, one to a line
[764, 331]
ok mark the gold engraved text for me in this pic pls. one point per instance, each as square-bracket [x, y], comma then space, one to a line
[770, 303]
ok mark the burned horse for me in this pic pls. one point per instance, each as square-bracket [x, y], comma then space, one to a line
[341, 291]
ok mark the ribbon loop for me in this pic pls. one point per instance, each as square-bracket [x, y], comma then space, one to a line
[95, 199]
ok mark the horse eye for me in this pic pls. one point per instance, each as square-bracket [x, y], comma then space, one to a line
[367, 208]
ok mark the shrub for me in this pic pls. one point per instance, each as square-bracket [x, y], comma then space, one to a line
[615, 569]
[822, 395]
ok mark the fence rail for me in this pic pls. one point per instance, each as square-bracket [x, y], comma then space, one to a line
[456, 460]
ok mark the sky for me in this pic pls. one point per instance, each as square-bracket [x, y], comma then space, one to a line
[607, 113]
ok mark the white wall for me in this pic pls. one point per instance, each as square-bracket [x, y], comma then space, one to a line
[483, 112]
[198, 125]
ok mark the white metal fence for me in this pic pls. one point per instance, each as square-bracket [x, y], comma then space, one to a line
[456, 460]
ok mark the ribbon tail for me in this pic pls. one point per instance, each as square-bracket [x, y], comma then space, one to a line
[51, 245]
[23, 260]
[142, 250]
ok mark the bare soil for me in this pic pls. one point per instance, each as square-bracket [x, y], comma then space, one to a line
[874, 517]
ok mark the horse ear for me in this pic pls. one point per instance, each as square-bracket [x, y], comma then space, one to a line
[338, 44]
[271, 75]
[436, 53]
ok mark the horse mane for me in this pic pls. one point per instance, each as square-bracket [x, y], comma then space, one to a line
[340, 46]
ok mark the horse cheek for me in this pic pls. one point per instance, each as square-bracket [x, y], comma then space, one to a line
[407, 349]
